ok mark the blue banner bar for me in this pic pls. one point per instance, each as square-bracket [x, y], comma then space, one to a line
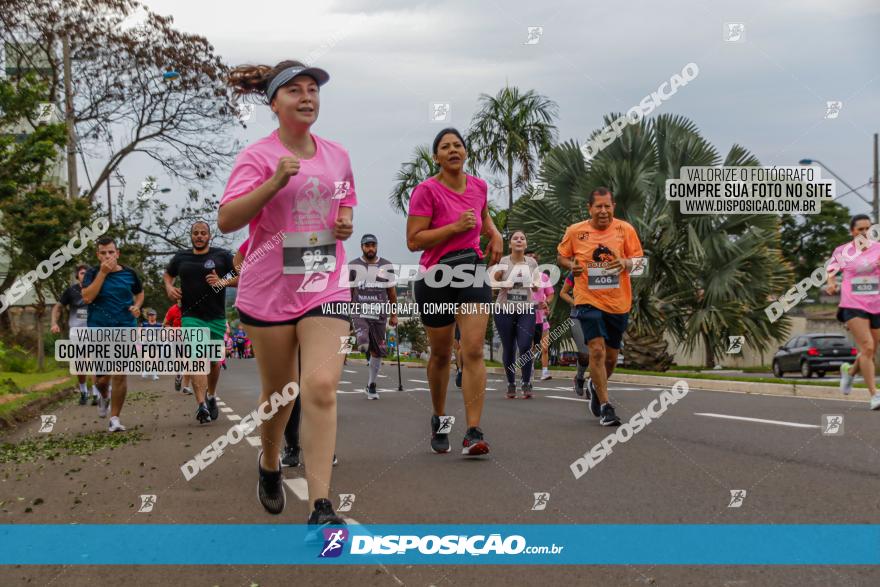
[276, 544]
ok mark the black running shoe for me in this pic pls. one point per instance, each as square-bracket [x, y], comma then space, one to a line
[213, 409]
[439, 442]
[177, 382]
[594, 398]
[608, 417]
[83, 398]
[270, 489]
[511, 391]
[203, 415]
[458, 378]
[94, 400]
[290, 456]
[473, 443]
[527, 390]
[579, 386]
[321, 517]
[371, 391]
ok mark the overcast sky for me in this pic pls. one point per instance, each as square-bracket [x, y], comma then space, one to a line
[389, 60]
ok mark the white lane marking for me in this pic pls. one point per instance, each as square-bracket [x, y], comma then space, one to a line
[419, 380]
[220, 403]
[572, 399]
[233, 417]
[349, 382]
[758, 420]
[299, 487]
[381, 376]
[254, 442]
[226, 410]
[349, 371]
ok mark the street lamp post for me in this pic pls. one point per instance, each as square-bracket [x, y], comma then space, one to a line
[875, 208]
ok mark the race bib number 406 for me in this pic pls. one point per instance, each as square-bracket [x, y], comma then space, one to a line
[601, 278]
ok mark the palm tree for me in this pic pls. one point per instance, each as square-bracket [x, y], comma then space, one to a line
[708, 276]
[411, 174]
[510, 133]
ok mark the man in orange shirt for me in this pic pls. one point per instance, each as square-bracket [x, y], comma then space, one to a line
[599, 253]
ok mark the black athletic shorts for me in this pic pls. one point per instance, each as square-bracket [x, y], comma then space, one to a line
[846, 314]
[451, 294]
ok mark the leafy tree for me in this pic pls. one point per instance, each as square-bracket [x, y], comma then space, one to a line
[808, 241]
[410, 330]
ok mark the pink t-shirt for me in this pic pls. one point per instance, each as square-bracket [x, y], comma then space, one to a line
[542, 294]
[444, 206]
[861, 277]
[305, 205]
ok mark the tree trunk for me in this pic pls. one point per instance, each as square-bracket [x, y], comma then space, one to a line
[41, 354]
[710, 356]
[509, 191]
[647, 352]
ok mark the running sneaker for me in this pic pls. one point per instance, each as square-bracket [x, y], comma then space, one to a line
[439, 442]
[594, 398]
[608, 417]
[527, 390]
[155, 378]
[473, 443]
[187, 390]
[95, 400]
[213, 408]
[335, 460]
[545, 374]
[177, 381]
[875, 401]
[511, 391]
[203, 415]
[846, 380]
[371, 391]
[290, 456]
[83, 398]
[116, 425]
[579, 386]
[103, 406]
[458, 378]
[270, 488]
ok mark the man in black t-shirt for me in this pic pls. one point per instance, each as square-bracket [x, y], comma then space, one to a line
[203, 298]
[79, 313]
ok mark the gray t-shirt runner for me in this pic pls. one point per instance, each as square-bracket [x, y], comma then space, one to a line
[521, 274]
[370, 283]
[79, 310]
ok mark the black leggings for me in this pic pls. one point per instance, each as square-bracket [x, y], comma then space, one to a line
[516, 332]
[291, 431]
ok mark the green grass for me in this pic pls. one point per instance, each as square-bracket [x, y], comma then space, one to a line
[23, 381]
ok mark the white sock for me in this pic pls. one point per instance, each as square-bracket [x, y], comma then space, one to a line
[375, 363]
[210, 395]
[83, 388]
[95, 391]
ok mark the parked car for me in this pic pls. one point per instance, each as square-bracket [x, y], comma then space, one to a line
[567, 359]
[813, 353]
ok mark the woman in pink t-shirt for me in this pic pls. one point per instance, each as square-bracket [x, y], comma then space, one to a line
[447, 215]
[859, 263]
[295, 192]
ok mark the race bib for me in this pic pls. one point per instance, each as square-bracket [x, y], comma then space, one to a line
[309, 252]
[82, 313]
[865, 286]
[601, 278]
[519, 295]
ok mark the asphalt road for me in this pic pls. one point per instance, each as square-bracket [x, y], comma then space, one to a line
[679, 469]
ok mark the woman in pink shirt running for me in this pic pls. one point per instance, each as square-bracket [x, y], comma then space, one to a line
[295, 193]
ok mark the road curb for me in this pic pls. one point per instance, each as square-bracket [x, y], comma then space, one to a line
[27, 411]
